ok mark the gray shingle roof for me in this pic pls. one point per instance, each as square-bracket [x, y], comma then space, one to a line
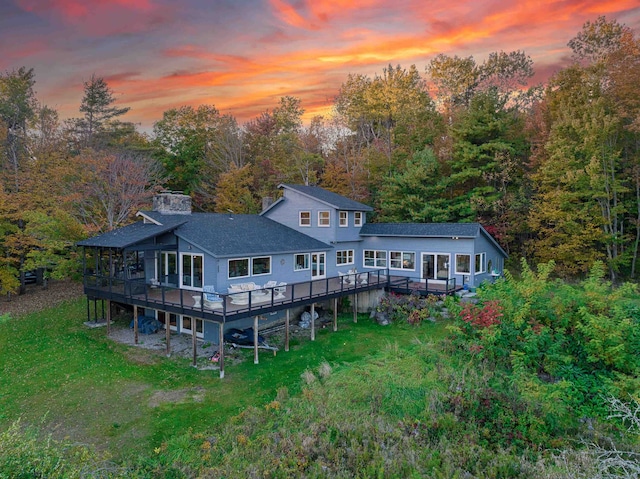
[231, 235]
[328, 197]
[130, 234]
[421, 230]
[429, 230]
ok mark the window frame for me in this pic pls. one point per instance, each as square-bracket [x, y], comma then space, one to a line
[357, 218]
[402, 260]
[182, 274]
[460, 255]
[307, 222]
[376, 258]
[343, 215]
[321, 218]
[307, 262]
[483, 263]
[350, 257]
[247, 259]
[253, 265]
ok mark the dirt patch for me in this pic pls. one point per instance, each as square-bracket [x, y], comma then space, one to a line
[37, 297]
[177, 396]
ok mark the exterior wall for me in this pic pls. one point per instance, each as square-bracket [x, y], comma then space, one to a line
[494, 260]
[288, 211]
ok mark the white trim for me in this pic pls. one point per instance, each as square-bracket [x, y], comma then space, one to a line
[148, 219]
[483, 263]
[358, 217]
[402, 253]
[340, 218]
[350, 254]
[300, 223]
[456, 265]
[188, 330]
[248, 260]
[253, 258]
[375, 258]
[182, 275]
[323, 255]
[328, 225]
[307, 261]
[171, 327]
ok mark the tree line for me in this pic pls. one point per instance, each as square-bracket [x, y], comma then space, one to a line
[552, 171]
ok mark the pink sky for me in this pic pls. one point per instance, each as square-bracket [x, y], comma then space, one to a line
[243, 55]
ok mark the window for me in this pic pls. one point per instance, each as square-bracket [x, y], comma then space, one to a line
[480, 262]
[173, 320]
[344, 218]
[463, 264]
[301, 261]
[261, 266]
[357, 218]
[238, 268]
[344, 257]
[375, 259]
[402, 260]
[187, 326]
[192, 272]
[305, 218]
[323, 218]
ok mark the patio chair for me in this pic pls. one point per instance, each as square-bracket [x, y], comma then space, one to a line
[211, 299]
[280, 290]
[270, 284]
[346, 278]
[362, 277]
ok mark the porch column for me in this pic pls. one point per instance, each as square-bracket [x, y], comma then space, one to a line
[221, 348]
[194, 343]
[313, 322]
[335, 314]
[167, 331]
[135, 324]
[355, 308]
[286, 332]
[108, 317]
[255, 340]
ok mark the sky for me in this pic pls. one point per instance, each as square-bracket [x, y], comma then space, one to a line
[244, 55]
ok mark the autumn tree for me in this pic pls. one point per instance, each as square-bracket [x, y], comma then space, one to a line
[111, 187]
[236, 192]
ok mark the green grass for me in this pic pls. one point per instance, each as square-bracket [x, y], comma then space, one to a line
[75, 383]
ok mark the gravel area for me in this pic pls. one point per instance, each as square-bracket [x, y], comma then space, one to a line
[37, 297]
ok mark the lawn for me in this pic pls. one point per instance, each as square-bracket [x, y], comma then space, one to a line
[75, 383]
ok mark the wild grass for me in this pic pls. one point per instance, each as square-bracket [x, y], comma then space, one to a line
[76, 384]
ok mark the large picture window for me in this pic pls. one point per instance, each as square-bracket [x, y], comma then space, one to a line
[402, 260]
[192, 270]
[301, 262]
[238, 268]
[463, 264]
[344, 257]
[305, 218]
[261, 265]
[375, 258]
[480, 263]
[323, 218]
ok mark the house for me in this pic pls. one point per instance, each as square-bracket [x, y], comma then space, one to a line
[199, 273]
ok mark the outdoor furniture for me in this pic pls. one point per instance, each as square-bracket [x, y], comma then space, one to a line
[362, 277]
[211, 299]
[280, 290]
[347, 278]
[270, 284]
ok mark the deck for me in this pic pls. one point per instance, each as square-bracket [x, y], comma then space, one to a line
[233, 306]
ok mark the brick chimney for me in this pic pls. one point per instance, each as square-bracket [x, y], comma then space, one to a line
[172, 203]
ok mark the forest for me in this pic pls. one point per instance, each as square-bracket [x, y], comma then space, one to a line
[552, 170]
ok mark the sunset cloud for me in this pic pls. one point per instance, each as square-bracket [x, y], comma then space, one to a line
[242, 56]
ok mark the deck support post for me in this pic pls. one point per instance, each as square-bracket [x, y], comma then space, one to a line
[135, 324]
[355, 308]
[221, 349]
[335, 314]
[194, 342]
[108, 317]
[286, 331]
[313, 322]
[167, 331]
[255, 340]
